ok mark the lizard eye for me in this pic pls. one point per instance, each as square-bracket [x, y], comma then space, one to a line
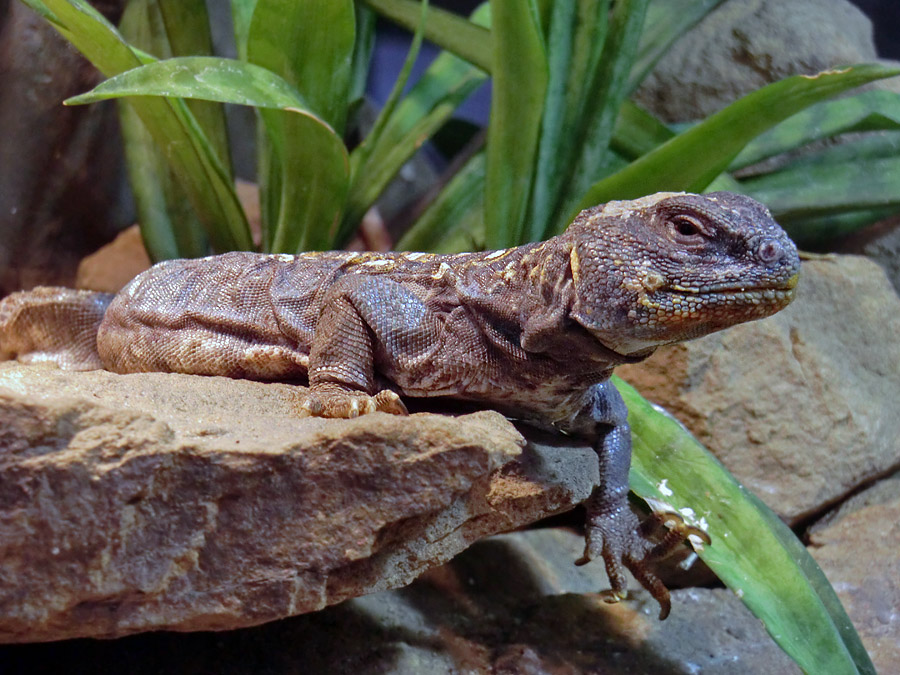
[686, 229]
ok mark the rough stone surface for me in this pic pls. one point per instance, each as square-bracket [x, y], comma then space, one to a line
[858, 548]
[511, 604]
[154, 501]
[745, 44]
[801, 407]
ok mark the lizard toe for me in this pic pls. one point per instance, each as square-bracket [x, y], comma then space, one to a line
[390, 402]
[329, 401]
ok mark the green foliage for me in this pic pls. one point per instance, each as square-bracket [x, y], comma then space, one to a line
[562, 134]
[752, 551]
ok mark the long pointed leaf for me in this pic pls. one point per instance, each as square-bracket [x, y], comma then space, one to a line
[188, 33]
[869, 111]
[637, 132]
[362, 153]
[169, 227]
[811, 190]
[519, 72]
[241, 18]
[691, 160]
[575, 40]
[751, 550]
[310, 44]
[607, 93]
[453, 216]
[362, 52]
[313, 161]
[446, 83]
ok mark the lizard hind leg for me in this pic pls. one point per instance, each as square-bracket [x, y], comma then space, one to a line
[55, 325]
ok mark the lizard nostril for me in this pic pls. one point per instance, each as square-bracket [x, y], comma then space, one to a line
[770, 251]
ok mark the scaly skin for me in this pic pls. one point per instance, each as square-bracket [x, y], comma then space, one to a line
[534, 331]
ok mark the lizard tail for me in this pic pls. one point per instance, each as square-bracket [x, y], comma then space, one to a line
[56, 325]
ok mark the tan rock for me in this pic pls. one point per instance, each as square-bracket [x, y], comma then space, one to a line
[155, 501]
[743, 45]
[859, 551]
[801, 407]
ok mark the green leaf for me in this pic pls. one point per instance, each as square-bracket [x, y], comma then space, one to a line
[691, 160]
[169, 227]
[207, 78]
[818, 231]
[869, 111]
[519, 72]
[241, 17]
[169, 122]
[315, 173]
[810, 190]
[310, 44]
[667, 21]
[637, 132]
[751, 550]
[362, 52]
[575, 39]
[312, 161]
[606, 93]
[363, 152]
[188, 34]
[401, 131]
[445, 29]
[455, 218]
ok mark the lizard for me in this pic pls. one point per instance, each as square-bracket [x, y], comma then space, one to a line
[532, 331]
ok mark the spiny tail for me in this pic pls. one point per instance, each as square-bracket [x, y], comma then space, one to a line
[58, 325]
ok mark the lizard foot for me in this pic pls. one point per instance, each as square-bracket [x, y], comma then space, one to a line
[621, 541]
[342, 403]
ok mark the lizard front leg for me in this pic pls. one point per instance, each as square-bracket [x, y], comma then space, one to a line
[612, 531]
[365, 320]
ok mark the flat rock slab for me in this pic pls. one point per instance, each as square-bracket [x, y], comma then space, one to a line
[155, 501]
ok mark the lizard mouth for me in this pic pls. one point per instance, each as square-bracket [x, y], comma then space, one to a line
[730, 291]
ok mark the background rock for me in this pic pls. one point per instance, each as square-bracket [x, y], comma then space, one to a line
[801, 407]
[745, 44]
[156, 501]
[510, 604]
[858, 548]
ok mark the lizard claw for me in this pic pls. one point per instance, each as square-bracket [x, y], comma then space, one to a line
[390, 402]
[622, 542]
[347, 404]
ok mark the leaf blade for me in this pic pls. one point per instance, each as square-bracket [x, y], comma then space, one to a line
[519, 72]
[752, 551]
[691, 160]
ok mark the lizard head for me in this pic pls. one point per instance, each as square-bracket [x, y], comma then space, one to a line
[674, 266]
